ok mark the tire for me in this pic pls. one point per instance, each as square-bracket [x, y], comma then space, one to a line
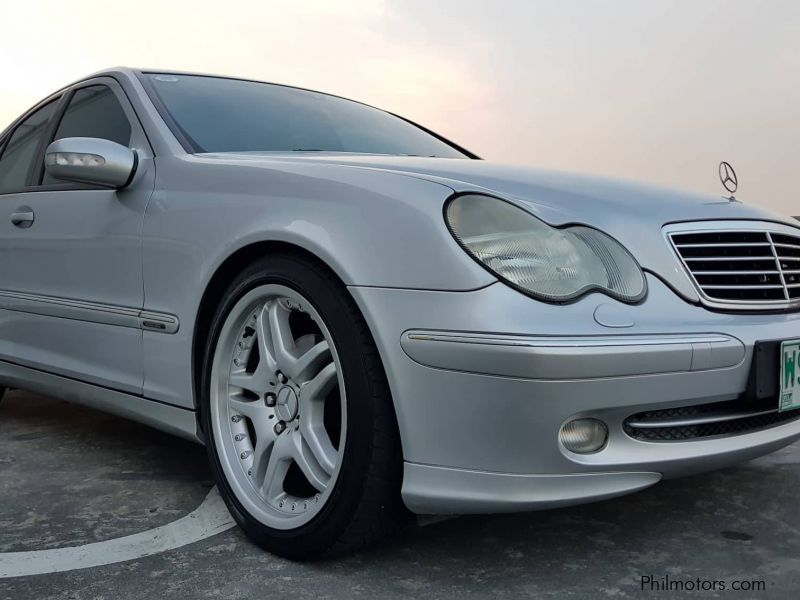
[360, 501]
[2, 392]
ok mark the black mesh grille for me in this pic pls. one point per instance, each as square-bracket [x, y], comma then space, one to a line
[746, 424]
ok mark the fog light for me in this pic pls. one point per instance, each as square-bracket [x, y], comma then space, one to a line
[583, 436]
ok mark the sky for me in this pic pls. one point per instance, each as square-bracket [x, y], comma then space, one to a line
[658, 91]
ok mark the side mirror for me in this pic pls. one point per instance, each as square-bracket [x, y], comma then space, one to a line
[90, 160]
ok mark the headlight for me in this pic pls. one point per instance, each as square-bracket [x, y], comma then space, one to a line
[546, 262]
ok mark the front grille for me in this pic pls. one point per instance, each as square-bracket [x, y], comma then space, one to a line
[733, 267]
[707, 420]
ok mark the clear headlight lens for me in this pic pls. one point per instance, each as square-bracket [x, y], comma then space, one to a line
[547, 262]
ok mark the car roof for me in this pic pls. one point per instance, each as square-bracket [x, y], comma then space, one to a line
[135, 72]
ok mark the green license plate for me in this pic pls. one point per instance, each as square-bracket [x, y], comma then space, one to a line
[789, 397]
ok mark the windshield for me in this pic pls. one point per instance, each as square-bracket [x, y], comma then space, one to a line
[215, 114]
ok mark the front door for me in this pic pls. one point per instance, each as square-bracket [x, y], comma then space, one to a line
[70, 254]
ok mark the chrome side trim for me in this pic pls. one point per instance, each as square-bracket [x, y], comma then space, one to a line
[171, 419]
[566, 342]
[93, 312]
[156, 321]
[543, 357]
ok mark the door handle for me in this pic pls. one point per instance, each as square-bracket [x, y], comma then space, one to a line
[23, 217]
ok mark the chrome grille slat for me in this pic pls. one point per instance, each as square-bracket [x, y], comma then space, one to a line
[679, 245]
[743, 287]
[742, 267]
[740, 272]
[750, 258]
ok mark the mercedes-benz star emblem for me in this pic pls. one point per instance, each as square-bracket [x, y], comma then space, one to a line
[728, 177]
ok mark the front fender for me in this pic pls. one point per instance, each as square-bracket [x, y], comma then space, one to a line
[372, 228]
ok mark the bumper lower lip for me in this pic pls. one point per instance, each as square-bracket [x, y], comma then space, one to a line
[429, 489]
[547, 357]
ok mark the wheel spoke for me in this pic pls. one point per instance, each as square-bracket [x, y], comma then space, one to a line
[263, 337]
[319, 443]
[310, 362]
[281, 336]
[257, 381]
[261, 455]
[255, 410]
[265, 438]
[316, 475]
[281, 452]
[318, 387]
[312, 415]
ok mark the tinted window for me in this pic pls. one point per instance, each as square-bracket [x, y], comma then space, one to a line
[17, 160]
[229, 115]
[93, 111]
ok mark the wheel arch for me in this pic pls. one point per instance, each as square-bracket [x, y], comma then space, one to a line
[215, 288]
[375, 490]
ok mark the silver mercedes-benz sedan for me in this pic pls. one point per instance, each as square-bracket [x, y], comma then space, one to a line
[362, 320]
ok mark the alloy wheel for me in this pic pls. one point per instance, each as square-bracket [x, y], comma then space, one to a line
[278, 406]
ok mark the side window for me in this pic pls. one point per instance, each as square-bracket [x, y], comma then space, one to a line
[93, 111]
[16, 161]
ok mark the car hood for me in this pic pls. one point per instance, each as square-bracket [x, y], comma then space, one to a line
[632, 212]
[556, 196]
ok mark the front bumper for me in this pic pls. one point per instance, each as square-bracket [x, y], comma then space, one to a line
[482, 382]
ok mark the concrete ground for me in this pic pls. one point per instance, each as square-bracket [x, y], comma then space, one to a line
[71, 476]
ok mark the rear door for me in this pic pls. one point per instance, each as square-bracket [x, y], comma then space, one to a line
[70, 254]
